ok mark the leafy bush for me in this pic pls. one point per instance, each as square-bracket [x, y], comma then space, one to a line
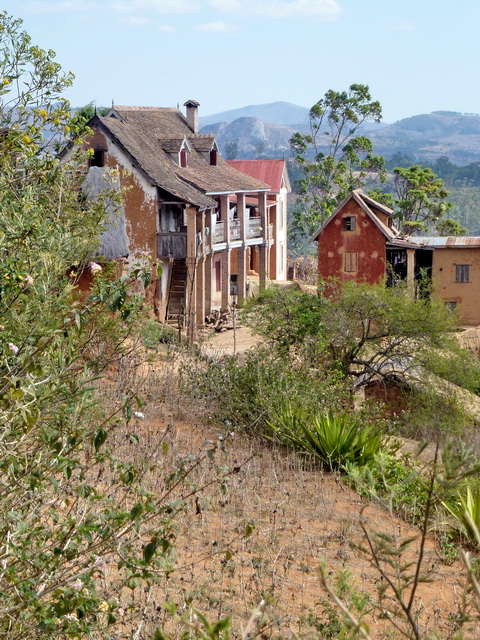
[336, 439]
[395, 480]
[243, 392]
[458, 366]
[430, 415]
[466, 509]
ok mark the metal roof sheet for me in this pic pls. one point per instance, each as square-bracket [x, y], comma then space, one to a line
[446, 241]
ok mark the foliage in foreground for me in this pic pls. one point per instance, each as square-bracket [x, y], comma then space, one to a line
[81, 522]
[465, 508]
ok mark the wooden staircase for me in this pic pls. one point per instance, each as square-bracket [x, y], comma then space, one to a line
[176, 308]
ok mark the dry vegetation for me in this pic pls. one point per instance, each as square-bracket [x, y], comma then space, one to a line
[296, 516]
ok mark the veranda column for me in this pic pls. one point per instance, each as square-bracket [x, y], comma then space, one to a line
[242, 251]
[200, 275]
[209, 264]
[190, 302]
[411, 271]
[226, 271]
[263, 248]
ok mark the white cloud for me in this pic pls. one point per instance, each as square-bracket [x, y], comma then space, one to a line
[58, 7]
[329, 9]
[214, 27]
[160, 6]
[166, 28]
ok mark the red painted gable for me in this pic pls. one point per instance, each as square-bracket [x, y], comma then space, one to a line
[358, 254]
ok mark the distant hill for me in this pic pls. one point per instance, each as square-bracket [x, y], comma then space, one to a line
[253, 137]
[284, 113]
[426, 137]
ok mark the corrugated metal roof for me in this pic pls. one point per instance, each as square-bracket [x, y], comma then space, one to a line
[269, 171]
[446, 241]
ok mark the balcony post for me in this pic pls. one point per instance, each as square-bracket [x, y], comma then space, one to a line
[209, 263]
[263, 248]
[226, 272]
[200, 278]
[225, 216]
[242, 251]
[190, 302]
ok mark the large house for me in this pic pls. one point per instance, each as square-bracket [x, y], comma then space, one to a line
[275, 174]
[360, 242]
[210, 226]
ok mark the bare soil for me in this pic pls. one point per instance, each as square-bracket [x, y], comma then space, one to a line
[300, 517]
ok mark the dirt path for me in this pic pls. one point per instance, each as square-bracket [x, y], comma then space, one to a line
[224, 343]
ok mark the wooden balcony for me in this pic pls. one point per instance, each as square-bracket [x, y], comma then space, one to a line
[254, 228]
[219, 233]
[172, 244]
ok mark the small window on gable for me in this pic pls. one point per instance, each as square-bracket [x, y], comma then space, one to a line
[183, 157]
[349, 223]
[351, 260]
[98, 158]
[462, 273]
[213, 157]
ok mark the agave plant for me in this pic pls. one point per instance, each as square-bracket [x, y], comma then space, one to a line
[336, 439]
[467, 511]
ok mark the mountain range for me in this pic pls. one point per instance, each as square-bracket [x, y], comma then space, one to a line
[264, 131]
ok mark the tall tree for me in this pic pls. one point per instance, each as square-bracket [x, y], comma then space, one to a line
[333, 159]
[419, 201]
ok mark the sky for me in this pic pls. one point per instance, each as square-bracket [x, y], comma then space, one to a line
[416, 56]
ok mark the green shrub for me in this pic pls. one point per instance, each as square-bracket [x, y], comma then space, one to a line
[243, 392]
[335, 439]
[395, 480]
[466, 509]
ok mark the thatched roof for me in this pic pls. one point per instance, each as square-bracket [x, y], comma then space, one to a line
[146, 132]
[113, 241]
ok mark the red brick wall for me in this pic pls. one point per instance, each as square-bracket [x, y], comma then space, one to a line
[367, 241]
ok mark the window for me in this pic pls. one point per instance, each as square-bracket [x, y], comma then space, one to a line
[451, 306]
[183, 157]
[213, 157]
[462, 273]
[349, 223]
[98, 158]
[351, 261]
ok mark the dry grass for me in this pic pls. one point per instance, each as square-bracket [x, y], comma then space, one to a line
[300, 517]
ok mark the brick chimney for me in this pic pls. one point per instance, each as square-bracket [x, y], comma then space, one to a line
[192, 114]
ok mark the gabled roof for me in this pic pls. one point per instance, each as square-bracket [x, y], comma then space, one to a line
[144, 132]
[367, 204]
[273, 172]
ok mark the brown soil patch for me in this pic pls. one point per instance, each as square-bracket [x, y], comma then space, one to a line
[300, 516]
[227, 342]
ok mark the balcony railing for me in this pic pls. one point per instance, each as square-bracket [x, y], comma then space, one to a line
[234, 229]
[172, 245]
[254, 228]
[219, 233]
